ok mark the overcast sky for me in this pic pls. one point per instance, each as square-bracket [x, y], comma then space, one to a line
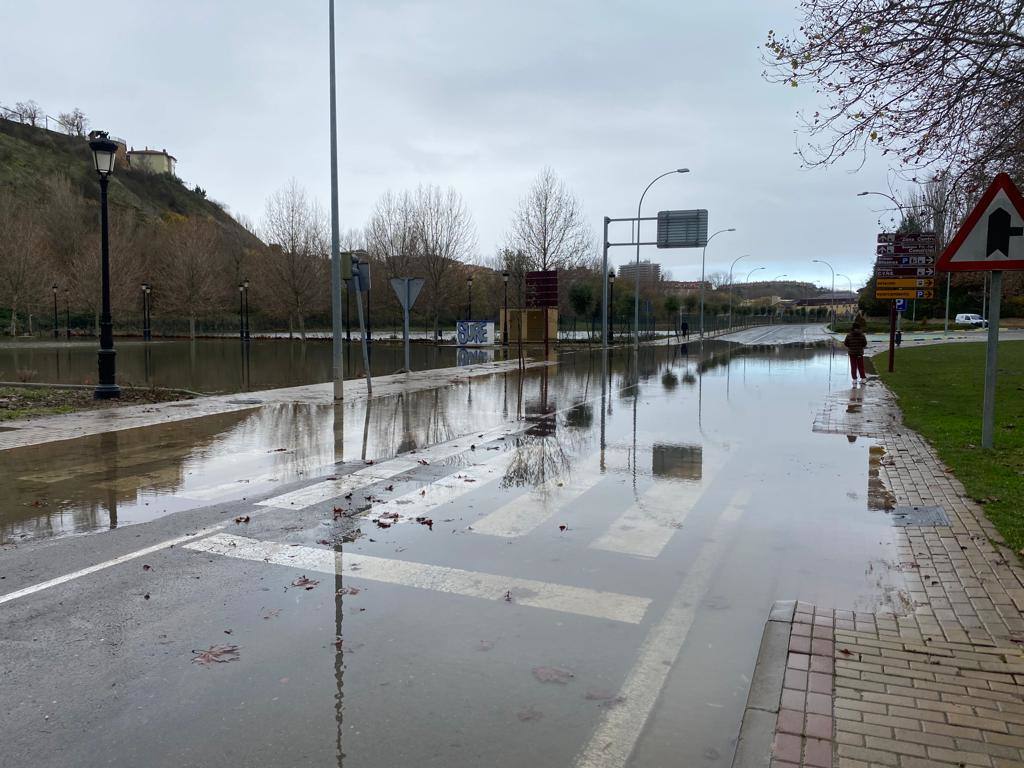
[476, 95]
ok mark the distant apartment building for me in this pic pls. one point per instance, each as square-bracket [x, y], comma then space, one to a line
[649, 272]
[151, 160]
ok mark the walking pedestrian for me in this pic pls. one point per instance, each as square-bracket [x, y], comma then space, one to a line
[855, 343]
[686, 330]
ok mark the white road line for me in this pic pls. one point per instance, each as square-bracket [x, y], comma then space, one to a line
[536, 594]
[647, 526]
[524, 513]
[107, 564]
[444, 490]
[615, 738]
[333, 489]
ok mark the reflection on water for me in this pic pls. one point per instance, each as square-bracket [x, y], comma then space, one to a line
[137, 475]
[218, 365]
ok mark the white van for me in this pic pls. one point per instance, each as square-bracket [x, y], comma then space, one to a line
[975, 320]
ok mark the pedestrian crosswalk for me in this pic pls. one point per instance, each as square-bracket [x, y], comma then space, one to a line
[385, 470]
[581, 601]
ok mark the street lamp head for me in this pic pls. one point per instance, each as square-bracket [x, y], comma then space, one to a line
[611, 276]
[504, 276]
[469, 281]
[54, 287]
[862, 194]
[246, 283]
[731, 229]
[682, 170]
[103, 153]
[241, 287]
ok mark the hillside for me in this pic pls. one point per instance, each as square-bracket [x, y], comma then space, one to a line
[30, 156]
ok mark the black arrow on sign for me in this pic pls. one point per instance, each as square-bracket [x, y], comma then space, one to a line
[1000, 232]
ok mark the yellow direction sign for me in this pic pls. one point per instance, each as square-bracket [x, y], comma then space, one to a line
[903, 293]
[906, 282]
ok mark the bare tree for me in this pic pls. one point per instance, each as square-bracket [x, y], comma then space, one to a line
[294, 226]
[549, 226]
[447, 237]
[186, 275]
[392, 237]
[29, 112]
[75, 122]
[23, 272]
[930, 81]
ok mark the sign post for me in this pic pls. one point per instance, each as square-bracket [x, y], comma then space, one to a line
[903, 270]
[407, 289]
[989, 240]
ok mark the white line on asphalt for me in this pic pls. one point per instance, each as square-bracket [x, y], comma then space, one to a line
[647, 526]
[524, 513]
[107, 564]
[333, 489]
[615, 738]
[536, 594]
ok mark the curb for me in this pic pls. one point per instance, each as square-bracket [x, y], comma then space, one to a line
[757, 731]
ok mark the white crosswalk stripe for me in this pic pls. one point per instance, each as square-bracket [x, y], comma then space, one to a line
[524, 513]
[385, 470]
[647, 526]
[581, 601]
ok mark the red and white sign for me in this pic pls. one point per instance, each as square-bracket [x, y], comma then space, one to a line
[992, 236]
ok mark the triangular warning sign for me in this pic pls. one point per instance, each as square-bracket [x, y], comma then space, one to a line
[992, 236]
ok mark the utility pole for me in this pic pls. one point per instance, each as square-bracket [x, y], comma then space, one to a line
[337, 358]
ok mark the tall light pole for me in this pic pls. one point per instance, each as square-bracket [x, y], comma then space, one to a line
[67, 313]
[104, 152]
[849, 281]
[469, 291]
[822, 261]
[337, 358]
[731, 266]
[56, 322]
[755, 269]
[245, 284]
[611, 304]
[938, 223]
[241, 313]
[504, 321]
[636, 286]
[703, 254]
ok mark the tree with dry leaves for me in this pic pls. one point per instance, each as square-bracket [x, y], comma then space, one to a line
[930, 82]
[23, 272]
[75, 122]
[187, 272]
[549, 227]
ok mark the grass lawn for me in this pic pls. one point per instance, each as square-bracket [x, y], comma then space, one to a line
[29, 402]
[940, 391]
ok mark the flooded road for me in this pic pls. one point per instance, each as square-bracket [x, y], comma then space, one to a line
[217, 365]
[572, 568]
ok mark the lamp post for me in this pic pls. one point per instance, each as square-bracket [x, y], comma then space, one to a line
[849, 282]
[67, 313]
[755, 269]
[245, 284]
[504, 320]
[703, 254]
[144, 290]
[938, 223]
[241, 312]
[822, 261]
[56, 333]
[611, 304]
[636, 286]
[103, 154]
[469, 291]
[731, 266]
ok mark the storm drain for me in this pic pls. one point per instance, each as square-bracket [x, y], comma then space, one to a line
[907, 516]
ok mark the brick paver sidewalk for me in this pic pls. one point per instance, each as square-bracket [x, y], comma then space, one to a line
[941, 684]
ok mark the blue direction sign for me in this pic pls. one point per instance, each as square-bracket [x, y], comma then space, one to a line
[901, 305]
[904, 271]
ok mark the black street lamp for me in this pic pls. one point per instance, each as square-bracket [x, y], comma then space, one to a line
[103, 154]
[146, 294]
[469, 290]
[56, 322]
[611, 305]
[144, 288]
[245, 284]
[241, 312]
[504, 323]
[67, 313]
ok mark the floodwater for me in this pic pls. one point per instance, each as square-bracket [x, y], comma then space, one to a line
[219, 365]
[683, 490]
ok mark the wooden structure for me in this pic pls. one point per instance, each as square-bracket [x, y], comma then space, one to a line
[530, 326]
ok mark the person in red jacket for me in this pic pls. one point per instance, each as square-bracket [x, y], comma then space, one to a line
[855, 343]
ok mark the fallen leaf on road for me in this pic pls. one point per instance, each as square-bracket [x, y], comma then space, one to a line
[485, 645]
[323, 541]
[338, 513]
[216, 654]
[552, 675]
[271, 613]
[529, 714]
[425, 521]
[369, 461]
[422, 461]
[305, 583]
[562, 527]
[146, 567]
[348, 495]
[348, 591]
[508, 596]
[389, 487]
[242, 519]
[381, 524]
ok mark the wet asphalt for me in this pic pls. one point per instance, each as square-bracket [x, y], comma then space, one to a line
[603, 546]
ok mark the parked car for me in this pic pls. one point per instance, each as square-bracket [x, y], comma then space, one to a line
[968, 319]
